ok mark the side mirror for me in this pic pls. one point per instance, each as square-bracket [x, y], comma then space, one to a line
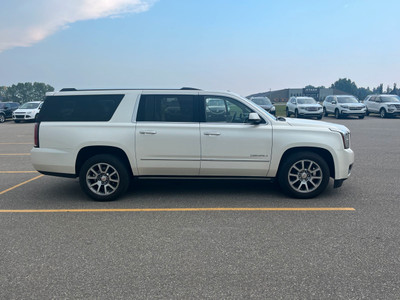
[334, 102]
[254, 118]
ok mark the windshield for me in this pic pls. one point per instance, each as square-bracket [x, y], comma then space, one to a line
[349, 99]
[261, 101]
[390, 99]
[306, 101]
[29, 105]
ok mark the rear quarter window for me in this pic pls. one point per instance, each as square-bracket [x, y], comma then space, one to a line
[79, 108]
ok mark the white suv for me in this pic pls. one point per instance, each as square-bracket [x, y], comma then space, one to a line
[343, 105]
[303, 106]
[384, 105]
[106, 137]
[27, 111]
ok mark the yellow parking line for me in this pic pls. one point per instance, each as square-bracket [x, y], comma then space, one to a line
[14, 154]
[16, 143]
[179, 209]
[17, 172]
[18, 185]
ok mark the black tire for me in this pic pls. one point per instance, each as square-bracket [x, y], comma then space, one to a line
[325, 112]
[287, 112]
[296, 113]
[104, 177]
[337, 114]
[303, 175]
[2, 118]
[319, 117]
[17, 121]
[361, 117]
[367, 113]
[382, 113]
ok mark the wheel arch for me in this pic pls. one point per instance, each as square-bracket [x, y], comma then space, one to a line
[90, 151]
[324, 153]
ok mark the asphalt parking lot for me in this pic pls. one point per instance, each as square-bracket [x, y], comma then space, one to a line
[181, 239]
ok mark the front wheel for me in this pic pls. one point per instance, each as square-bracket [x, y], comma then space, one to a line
[361, 117]
[2, 118]
[296, 113]
[383, 113]
[337, 114]
[287, 112]
[304, 175]
[325, 112]
[104, 177]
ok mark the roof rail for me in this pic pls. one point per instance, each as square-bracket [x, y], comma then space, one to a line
[68, 90]
[190, 88]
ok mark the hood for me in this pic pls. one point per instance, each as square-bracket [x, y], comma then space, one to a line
[309, 105]
[353, 104]
[314, 123]
[19, 110]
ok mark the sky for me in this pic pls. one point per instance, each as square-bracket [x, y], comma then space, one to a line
[245, 46]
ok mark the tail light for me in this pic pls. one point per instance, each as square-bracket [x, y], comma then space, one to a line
[36, 135]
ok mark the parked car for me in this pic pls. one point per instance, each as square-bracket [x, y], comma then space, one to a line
[27, 111]
[107, 137]
[343, 106]
[265, 103]
[6, 110]
[384, 105]
[303, 107]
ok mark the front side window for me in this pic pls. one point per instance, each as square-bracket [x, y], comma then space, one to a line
[225, 110]
[167, 108]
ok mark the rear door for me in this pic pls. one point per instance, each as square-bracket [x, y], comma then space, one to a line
[168, 135]
[230, 145]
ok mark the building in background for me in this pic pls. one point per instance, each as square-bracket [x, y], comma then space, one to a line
[318, 94]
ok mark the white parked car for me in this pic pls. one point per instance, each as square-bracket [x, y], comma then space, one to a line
[106, 137]
[384, 105]
[303, 107]
[27, 111]
[343, 106]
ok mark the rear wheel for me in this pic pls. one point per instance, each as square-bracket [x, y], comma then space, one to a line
[304, 175]
[104, 177]
[287, 112]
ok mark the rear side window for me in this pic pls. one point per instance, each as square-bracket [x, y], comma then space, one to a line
[79, 108]
[167, 108]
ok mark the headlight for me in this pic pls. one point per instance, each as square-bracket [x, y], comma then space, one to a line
[319, 108]
[344, 106]
[345, 137]
[391, 106]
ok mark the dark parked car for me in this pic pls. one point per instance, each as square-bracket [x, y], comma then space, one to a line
[6, 110]
[265, 103]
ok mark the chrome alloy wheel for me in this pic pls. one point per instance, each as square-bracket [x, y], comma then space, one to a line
[305, 176]
[102, 179]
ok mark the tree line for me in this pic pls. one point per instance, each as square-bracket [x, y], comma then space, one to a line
[25, 92]
[350, 87]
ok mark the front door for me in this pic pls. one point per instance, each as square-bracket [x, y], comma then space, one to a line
[230, 145]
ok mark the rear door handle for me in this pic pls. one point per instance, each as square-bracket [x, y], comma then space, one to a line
[148, 132]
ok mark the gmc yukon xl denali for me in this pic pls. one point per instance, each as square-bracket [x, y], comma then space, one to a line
[107, 137]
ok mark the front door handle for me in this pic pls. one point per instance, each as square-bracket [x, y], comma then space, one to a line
[148, 132]
[212, 133]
